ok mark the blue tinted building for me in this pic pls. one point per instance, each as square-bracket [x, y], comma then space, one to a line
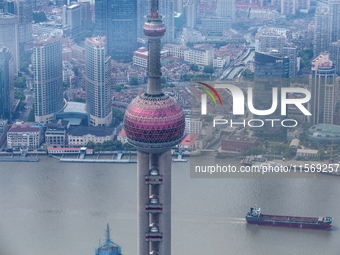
[122, 28]
[101, 17]
[117, 19]
[108, 247]
[271, 71]
[5, 84]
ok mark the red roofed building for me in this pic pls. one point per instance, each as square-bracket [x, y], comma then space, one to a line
[122, 136]
[24, 137]
[188, 142]
[238, 143]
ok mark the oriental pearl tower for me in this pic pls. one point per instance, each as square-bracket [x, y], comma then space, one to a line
[154, 123]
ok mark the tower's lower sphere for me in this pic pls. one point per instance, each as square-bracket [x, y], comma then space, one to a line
[154, 122]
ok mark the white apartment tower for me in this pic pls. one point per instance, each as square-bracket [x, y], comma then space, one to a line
[323, 90]
[334, 12]
[98, 81]
[48, 77]
[321, 31]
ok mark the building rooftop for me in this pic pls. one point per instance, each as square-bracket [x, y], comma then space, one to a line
[7, 16]
[96, 41]
[23, 129]
[58, 124]
[295, 142]
[46, 39]
[242, 138]
[203, 47]
[73, 6]
[324, 133]
[321, 60]
[75, 107]
[189, 139]
[305, 150]
[122, 133]
[90, 130]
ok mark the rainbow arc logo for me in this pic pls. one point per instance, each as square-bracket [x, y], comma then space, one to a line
[204, 97]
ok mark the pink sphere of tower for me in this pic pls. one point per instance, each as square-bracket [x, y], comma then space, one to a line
[154, 122]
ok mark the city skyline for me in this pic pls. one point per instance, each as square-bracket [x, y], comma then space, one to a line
[267, 38]
[117, 83]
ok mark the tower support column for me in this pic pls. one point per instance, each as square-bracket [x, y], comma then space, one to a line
[165, 197]
[142, 195]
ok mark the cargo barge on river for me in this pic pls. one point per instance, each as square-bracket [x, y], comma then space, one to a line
[256, 217]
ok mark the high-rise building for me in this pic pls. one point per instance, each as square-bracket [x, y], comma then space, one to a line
[9, 7]
[323, 90]
[108, 247]
[271, 41]
[122, 28]
[1, 6]
[190, 12]
[288, 6]
[335, 55]
[271, 71]
[291, 53]
[24, 11]
[226, 9]
[86, 16]
[72, 19]
[9, 36]
[178, 6]
[5, 84]
[154, 123]
[48, 79]
[166, 9]
[101, 17]
[98, 81]
[321, 31]
[303, 5]
[334, 17]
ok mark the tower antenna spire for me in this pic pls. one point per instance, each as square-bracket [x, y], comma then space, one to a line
[154, 30]
[154, 8]
[108, 236]
[108, 232]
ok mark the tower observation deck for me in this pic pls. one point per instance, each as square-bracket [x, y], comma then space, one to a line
[154, 123]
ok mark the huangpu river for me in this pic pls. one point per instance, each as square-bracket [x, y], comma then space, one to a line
[55, 208]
